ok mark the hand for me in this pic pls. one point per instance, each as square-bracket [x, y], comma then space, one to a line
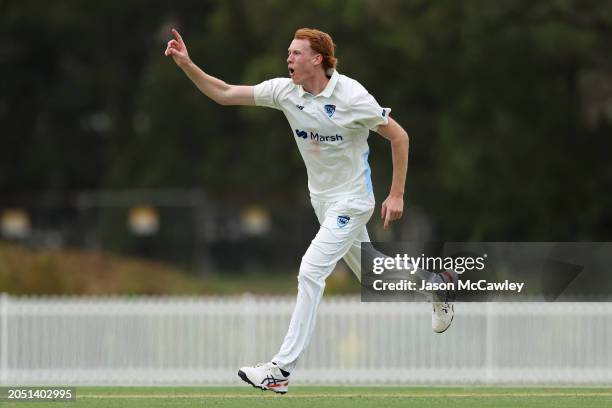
[392, 209]
[177, 49]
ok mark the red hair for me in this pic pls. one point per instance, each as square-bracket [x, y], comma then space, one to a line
[321, 43]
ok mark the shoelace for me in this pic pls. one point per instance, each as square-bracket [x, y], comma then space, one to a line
[269, 366]
[444, 307]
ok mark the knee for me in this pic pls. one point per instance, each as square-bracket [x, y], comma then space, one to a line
[310, 274]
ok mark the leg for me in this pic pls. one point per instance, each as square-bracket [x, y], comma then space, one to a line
[332, 242]
[353, 260]
[443, 311]
[353, 256]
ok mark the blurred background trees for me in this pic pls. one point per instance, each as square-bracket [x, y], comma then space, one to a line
[508, 105]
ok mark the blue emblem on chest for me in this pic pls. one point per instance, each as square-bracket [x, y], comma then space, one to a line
[343, 220]
[330, 109]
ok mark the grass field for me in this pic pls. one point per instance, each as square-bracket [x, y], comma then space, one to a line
[336, 397]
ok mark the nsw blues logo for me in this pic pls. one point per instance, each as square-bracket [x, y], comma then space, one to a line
[301, 133]
[343, 220]
[330, 109]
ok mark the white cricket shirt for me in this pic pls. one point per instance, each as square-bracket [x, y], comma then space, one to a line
[331, 130]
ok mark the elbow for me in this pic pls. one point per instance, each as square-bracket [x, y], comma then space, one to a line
[223, 96]
[405, 139]
[223, 99]
[400, 141]
[401, 138]
[217, 98]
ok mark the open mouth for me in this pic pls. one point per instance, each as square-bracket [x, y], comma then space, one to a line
[291, 72]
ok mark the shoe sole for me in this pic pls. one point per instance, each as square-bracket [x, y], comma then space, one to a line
[244, 378]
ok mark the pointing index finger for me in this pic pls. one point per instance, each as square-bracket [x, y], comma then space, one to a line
[177, 36]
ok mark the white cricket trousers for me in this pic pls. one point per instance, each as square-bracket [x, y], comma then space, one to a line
[343, 229]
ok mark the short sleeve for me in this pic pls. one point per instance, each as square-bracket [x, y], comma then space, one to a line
[267, 93]
[366, 111]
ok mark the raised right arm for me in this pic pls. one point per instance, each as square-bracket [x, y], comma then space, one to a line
[214, 88]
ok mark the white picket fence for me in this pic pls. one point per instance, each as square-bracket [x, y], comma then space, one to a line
[180, 340]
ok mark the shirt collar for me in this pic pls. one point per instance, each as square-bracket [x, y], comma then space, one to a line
[329, 88]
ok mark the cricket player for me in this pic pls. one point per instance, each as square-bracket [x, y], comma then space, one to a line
[330, 116]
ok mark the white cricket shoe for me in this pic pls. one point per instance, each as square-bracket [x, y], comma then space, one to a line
[444, 311]
[442, 316]
[266, 376]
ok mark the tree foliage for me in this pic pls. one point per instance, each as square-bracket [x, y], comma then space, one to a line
[493, 95]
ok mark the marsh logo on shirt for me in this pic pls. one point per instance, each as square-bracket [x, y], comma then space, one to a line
[315, 136]
[343, 220]
[330, 109]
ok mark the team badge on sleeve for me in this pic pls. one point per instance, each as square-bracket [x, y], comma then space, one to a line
[343, 220]
[330, 109]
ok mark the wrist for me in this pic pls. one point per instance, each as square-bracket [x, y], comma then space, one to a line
[396, 194]
[185, 64]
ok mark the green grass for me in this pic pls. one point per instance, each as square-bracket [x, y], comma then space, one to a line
[336, 397]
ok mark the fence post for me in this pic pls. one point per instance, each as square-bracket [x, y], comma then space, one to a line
[4, 299]
[491, 336]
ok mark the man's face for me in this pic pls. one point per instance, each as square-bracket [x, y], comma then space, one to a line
[302, 61]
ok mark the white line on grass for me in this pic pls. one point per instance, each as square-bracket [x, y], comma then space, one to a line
[373, 395]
